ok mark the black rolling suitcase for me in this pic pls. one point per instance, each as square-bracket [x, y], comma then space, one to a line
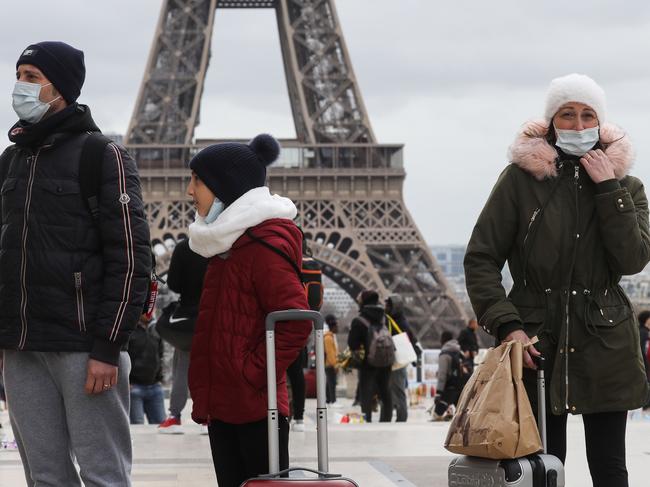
[540, 470]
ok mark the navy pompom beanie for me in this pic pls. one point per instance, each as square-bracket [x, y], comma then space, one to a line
[232, 169]
[61, 63]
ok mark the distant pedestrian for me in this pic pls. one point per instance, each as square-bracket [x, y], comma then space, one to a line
[450, 377]
[147, 397]
[245, 281]
[469, 343]
[296, 378]
[372, 379]
[399, 377]
[74, 276]
[185, 277]
[331, 358]
[644, 334]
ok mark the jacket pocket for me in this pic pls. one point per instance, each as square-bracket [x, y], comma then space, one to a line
[608, 316]
[60, 187]
[56, 197]
[8, 185]
[8, 196]
[81, 315]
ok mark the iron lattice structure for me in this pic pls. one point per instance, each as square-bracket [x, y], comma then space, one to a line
[348, 188]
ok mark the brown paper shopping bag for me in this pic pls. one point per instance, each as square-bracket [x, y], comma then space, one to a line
[494, 418]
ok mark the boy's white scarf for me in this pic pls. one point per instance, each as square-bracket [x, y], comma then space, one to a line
[251, 209]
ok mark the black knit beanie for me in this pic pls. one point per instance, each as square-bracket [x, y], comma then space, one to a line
[232, 169]
[61, 63]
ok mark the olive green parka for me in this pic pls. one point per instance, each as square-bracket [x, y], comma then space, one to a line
[567, 242]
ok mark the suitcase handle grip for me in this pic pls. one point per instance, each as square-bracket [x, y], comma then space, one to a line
[322, 475]
[294, 315]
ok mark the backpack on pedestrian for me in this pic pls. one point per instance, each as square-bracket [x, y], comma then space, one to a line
[90, 183]
[380, 349]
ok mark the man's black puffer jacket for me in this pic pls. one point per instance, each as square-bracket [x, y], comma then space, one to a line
[67, 284]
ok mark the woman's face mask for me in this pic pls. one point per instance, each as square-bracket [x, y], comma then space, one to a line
[577, 142]
[27, 103]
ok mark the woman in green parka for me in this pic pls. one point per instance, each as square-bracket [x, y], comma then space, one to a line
[569, 221]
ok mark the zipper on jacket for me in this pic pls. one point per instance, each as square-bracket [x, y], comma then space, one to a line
[566, 355]
[532, 230]
[576, 180]
[81, 319]
[530, 223]
[31, 164]
[526, 252]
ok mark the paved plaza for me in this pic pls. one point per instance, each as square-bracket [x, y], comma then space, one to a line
[375, 455]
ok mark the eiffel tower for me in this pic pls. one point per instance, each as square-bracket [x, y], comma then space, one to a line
[347, 187]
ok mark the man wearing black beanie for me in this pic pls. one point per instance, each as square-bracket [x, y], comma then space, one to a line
[73, 278]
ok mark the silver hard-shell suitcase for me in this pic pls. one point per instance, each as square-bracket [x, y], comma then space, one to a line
[540, 470]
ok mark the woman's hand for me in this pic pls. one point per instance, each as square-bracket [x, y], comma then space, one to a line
[520, 336]
[598, 166]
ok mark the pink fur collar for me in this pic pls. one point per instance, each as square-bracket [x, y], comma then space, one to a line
[531, 151]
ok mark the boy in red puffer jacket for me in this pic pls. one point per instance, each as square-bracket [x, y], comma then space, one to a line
[245, 280]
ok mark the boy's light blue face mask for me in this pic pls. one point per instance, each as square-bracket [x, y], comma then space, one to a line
[215, 210]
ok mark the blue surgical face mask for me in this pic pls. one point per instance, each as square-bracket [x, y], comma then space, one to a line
[577, 142]
[215, 210]
[26, 102]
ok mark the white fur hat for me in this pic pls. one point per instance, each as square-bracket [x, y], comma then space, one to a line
[575, 88]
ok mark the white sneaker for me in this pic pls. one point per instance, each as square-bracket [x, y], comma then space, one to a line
[204, 430]
[298, 426]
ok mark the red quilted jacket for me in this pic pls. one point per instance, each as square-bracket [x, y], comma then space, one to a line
[227, 375]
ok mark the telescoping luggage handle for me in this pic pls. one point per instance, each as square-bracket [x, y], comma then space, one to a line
[541, 398]
[321, 406]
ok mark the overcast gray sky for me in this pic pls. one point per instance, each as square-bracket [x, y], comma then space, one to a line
[453, 81]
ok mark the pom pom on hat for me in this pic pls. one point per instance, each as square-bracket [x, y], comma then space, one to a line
[232, 169]
[266, 148]
[575, 88]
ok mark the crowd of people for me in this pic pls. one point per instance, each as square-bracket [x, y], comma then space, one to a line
[82, 360]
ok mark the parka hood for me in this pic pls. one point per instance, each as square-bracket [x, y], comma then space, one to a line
[254, 207]
[373, 312]
[451, 346]
[532, 152]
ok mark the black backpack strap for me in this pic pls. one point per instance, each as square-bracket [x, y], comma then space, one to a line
[364, 321]
[90, 171]
[7, 163]
[276, 250]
